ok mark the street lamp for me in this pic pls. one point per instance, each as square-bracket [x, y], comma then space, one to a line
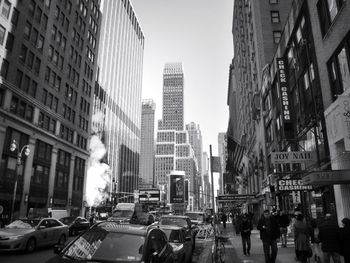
[25, 149]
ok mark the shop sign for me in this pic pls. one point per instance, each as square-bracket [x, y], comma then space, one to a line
[234, 198]
[292, 185]
[293, 157]
[327, 177]
[282, 78]
[177, 188]
[337, 118]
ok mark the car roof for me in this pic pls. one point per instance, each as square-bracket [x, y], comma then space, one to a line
[170, 227]
[116, 227]
[175, 216]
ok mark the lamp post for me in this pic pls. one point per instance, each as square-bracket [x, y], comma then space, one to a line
[25, 149]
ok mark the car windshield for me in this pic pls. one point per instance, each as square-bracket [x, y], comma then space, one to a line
[195, 216]
[172, 235]
[24, 223]
[122, 213]
[99, 244]
[67, 220]
[173, 221]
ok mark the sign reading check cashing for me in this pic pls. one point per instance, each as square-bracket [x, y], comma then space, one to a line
[292, 157]
[292, 185]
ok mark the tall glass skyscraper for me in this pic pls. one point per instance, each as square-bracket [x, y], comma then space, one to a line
[119, 87]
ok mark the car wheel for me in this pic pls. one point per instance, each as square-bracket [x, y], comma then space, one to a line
[62, 240]
[31, 244]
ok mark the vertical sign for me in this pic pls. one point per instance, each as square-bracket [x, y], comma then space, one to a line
[177, 188]
[186, 190]
[282, 79]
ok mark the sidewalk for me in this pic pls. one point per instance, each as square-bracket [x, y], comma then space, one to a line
[234, 250]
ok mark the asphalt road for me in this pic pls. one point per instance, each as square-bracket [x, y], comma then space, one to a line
[41, 255]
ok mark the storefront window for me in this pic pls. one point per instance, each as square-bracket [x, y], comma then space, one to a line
[344, 69]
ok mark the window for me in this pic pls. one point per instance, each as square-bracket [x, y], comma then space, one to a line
[338, 68]
[44, 22]
[275, 17]
[30, 59]
[33, 88]
[38, 15]
[6, 9]
[9, 41]
[276, 36]
[27, 29]
[272, 2]
[47, 3]
[31, 7]
[327, 11]
[26, 83]
[34, 36]
[15, 15]
[37, 66]
[23, 54]
[4, 68]
[19, 76]
[40, 43]
[2, 34]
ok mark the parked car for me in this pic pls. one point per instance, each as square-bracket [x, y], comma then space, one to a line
[183, 221]
[110, 241]
[28, 234]
[180, 241]
[75, 224]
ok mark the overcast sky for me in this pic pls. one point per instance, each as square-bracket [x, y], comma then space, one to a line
[198, 34]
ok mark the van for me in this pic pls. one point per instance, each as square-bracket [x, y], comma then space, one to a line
[131, 213]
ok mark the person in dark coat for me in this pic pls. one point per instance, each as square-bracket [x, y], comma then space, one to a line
[269, 233]
[301, 238]
[224, 219]
[345, 239]
[284, 223]
[245, 229]
[330, 240]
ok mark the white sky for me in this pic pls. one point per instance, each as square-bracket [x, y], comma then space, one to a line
[198, 34]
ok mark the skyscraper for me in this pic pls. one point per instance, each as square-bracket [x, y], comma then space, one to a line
[146, 172]
[48, 65]
[119, 87]
[173, 149]
[173, 98]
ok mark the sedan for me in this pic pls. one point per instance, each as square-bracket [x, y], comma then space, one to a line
[110, 241]
[75, 224]
[182, 221]
[181, 243]
[28, 234]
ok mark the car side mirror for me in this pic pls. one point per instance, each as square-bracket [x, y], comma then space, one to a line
[57, 249]
[155, 257]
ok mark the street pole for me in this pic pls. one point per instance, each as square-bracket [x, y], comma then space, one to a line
[14, 146]
[15, 186]
[212, 179]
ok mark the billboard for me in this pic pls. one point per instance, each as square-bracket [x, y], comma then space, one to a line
[149, 195]
[177, 188]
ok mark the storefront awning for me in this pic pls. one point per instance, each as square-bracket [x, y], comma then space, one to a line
[327, 177]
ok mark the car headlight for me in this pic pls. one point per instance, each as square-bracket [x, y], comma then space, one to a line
[16, 237]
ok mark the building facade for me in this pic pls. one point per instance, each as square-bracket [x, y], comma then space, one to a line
[119, 84]
[146, 172]
[49, 52]
[257, 29]
[304, 93]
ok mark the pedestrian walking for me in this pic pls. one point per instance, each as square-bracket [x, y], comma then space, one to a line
[269, 233]
[245, 229]
[315, 240]
[330, 239]
[345, 239]
[224, 219]
[301, 239]
[284, 223]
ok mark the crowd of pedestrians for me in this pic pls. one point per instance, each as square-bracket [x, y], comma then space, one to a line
[312, 241]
